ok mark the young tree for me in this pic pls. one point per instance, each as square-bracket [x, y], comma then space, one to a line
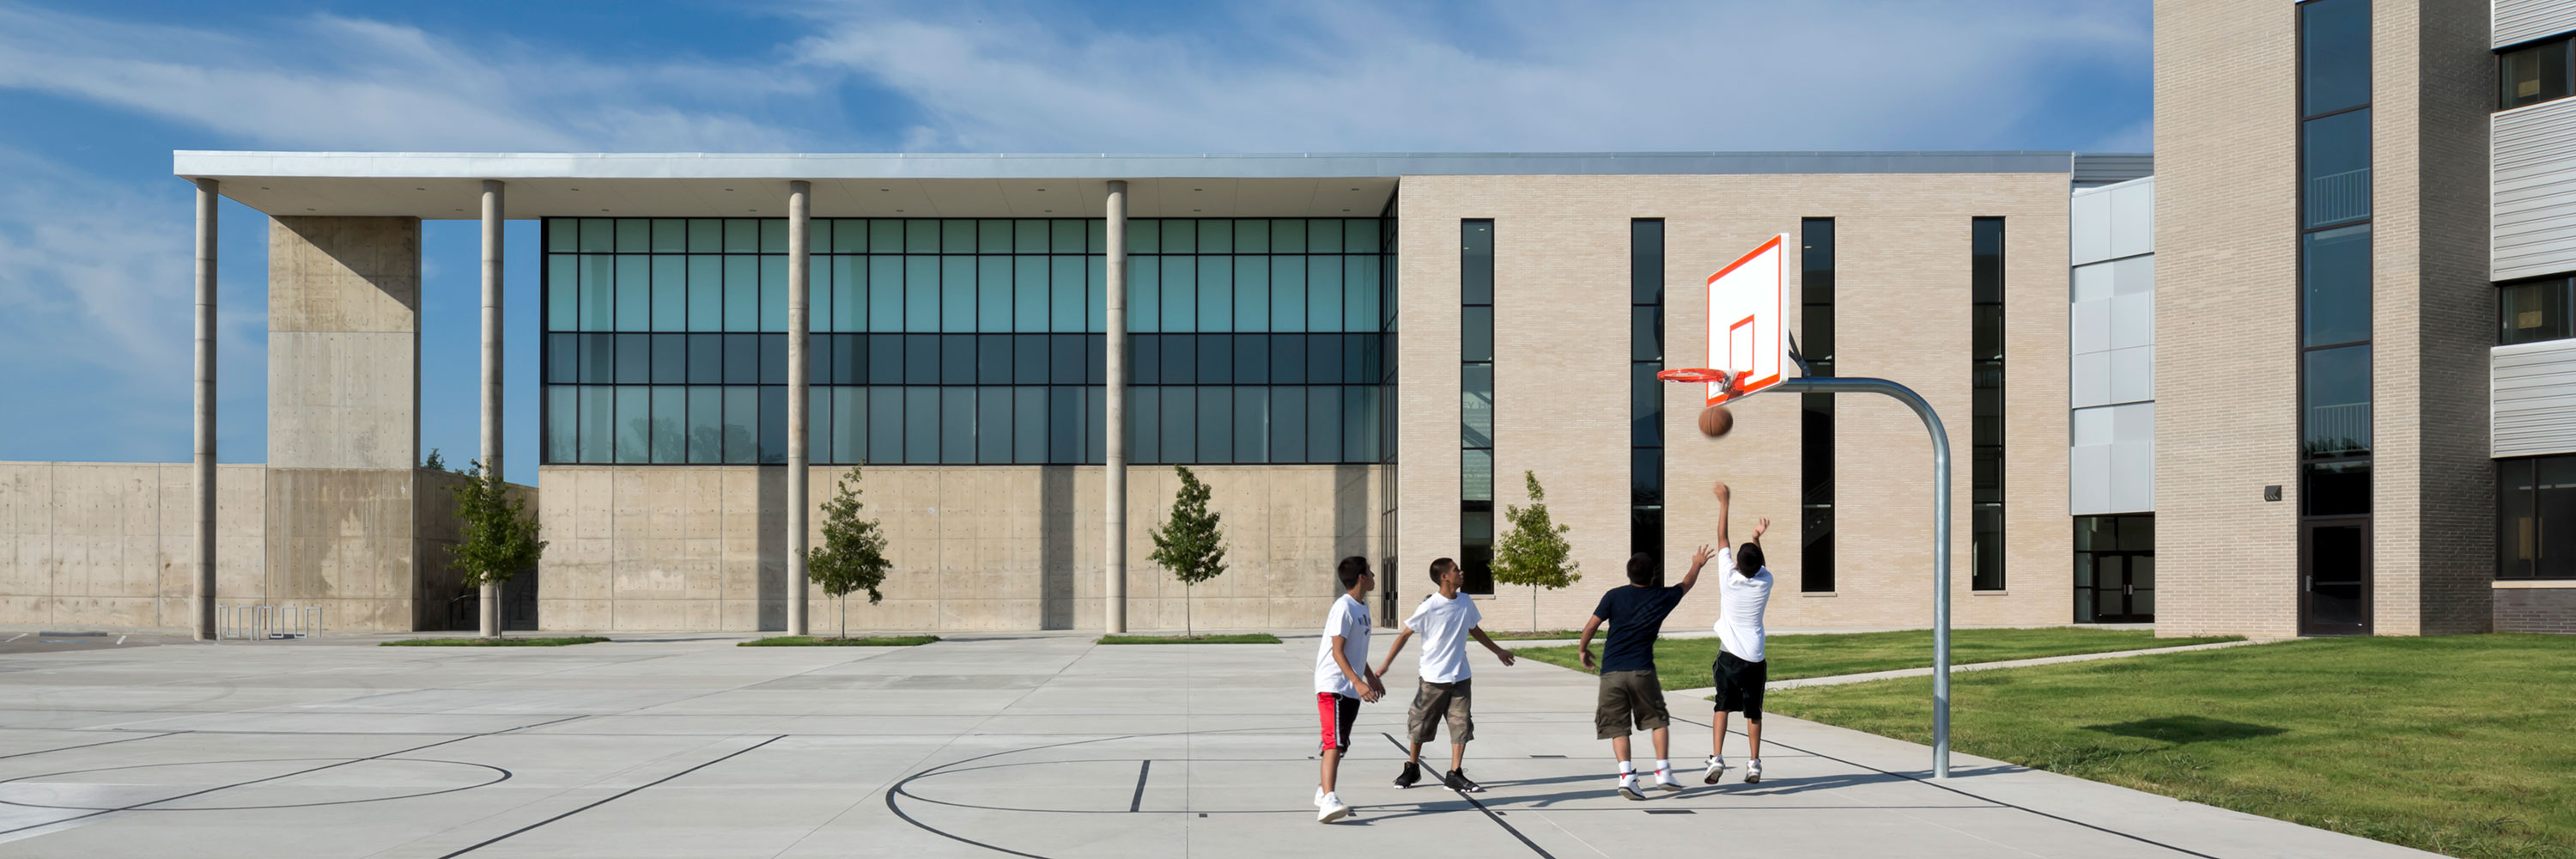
[500, 538]
[1190, 544]
[1534, 552]
[852, 556]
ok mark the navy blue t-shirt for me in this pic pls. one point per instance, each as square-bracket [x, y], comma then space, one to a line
[1635, 615]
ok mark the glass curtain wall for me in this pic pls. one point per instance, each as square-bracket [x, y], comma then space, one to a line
[965, 341]
[1645, 392]
[1986, 494]
[1816, 432]
[1476, 404]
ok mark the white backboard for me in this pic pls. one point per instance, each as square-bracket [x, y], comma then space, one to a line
[1748, 321]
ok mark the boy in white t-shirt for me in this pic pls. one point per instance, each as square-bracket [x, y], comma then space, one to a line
[1744, 593]
[1342, 680]
[1446, 620]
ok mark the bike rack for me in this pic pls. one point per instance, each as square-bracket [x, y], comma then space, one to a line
[267, 622]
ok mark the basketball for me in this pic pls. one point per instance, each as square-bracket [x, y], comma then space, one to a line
[1714, 421]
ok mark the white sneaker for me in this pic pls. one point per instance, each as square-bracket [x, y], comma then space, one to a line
[1664, 779]
[1319, 797]
[1628, 786]
[1716, 766]
[1331, 809]
[1753, 771]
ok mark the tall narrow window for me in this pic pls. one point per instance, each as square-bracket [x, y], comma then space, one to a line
[2334, 286]
[1645, 394]
[1816, 434]
[1476, 404]
[1986, 495]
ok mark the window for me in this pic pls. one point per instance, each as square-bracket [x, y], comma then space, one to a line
[1476, 405]
[2537, 310]
[959, 340]
[2532, 74]
[1646, 397]
[2335, 273]
[1986, 383]
[1816, 430]
[2536, 518]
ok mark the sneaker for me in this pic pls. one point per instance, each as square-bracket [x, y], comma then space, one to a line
[1412, 773]
[1628, 786]
[1716, 766]
[1457, 780]
[1319, 797]
[1664, 779]
[1331, 809]
[1753, 771]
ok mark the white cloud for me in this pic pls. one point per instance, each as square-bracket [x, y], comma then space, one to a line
[1340, 75]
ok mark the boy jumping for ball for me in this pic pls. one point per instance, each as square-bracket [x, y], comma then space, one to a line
[1740, 668]
[1341, 678]
[1629, 689]
[1446, 620]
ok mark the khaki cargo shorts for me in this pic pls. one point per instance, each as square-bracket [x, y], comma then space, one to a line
[1437, 701]
[1629, 696]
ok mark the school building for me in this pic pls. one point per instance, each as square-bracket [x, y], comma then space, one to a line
[2343, 406]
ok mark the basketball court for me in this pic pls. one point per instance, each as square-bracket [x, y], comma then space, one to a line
[1029, 745]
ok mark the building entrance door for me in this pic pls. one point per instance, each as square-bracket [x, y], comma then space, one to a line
[2334, 577]
[2122, 590]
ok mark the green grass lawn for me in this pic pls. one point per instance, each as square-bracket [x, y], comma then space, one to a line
[2462, 745]
[1682, 663]
[826, 641]
[1248, 638]
[1541, 635]
[494, 642]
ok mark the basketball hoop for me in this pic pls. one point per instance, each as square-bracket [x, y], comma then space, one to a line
[1693, 374]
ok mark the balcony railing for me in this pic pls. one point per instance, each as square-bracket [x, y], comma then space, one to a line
[2338, 197]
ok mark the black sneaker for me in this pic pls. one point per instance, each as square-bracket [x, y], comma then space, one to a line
[1457, 780]
[1412, 773]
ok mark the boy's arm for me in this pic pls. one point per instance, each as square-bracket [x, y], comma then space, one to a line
[1724, 495]
[1392, 651]
[1758, 528]
[1699, 559]
[1481, 638]
[1358, 681]
[1585, 646]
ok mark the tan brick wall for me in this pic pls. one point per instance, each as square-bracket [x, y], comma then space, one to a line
[1902, 303]
[2227, 291]
[984, 547]
[2226, 318]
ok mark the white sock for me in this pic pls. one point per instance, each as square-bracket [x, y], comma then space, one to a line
[1627, 771]
[1663, 766]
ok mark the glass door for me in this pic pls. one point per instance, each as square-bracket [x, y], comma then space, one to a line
[2334, 577]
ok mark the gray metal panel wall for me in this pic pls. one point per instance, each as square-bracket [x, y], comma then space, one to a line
[2533, 191]
[2534, 398]
[2524, 20]
[2111, 349]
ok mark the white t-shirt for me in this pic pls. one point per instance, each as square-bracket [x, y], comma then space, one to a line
[1348, 619]
[1443, 625]
[1741, 600]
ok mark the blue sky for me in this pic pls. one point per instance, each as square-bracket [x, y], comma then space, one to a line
[94, 231]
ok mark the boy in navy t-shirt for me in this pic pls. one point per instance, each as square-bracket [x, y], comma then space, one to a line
[1630, 692]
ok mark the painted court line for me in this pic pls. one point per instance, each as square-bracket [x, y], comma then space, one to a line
[612, 798]
[1489, 813]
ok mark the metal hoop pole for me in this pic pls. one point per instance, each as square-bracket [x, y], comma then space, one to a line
[1940, 540]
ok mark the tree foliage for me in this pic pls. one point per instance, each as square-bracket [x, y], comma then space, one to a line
[853, 554]
[1534, 550]
[1191, 543]
[500, 535]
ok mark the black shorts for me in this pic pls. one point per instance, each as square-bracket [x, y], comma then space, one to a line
[1739, 685]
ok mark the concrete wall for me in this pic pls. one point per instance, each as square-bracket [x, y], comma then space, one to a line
[1902, 312]
[985, 547]
[90, 545]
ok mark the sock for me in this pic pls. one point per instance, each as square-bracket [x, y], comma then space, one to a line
[1663, 766]
[1627, 771]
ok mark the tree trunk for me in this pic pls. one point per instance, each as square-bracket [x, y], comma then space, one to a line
[1189, 625]
[845, 617]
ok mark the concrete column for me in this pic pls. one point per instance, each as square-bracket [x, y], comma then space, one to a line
[1114, 533]
[799, 310]
[208, 194]
[491, 448]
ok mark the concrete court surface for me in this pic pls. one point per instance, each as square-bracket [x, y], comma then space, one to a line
[983, 745]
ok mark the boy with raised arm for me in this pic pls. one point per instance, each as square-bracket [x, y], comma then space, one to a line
[1630, 690]
[1446, 620]
[1341, 681]
[1740, 669]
